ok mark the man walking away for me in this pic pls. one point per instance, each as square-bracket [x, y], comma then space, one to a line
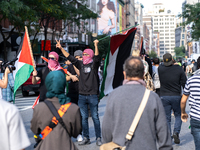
[172, 78]
[191, 90]
[155, 76]
[122, 105]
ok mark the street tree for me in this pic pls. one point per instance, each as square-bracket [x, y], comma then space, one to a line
[18, 15]
[152, 54]
[191, 14]
[180, 52]
[51, 13]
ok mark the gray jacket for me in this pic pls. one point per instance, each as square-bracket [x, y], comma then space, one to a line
[122, 105]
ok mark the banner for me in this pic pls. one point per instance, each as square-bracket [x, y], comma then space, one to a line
[107, 17]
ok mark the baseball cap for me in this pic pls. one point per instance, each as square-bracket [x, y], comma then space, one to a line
[167, 59]
[78, 53]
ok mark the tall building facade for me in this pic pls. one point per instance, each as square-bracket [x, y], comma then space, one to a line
[148, 20]
[164, 22]
[129, 12]
[138, 20]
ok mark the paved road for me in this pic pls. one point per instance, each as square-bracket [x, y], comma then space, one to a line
[25, 104]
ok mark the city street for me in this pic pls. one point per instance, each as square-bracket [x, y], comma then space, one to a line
[25, 103]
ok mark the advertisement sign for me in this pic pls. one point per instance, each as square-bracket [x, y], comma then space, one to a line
[120, 18]
[107, 17]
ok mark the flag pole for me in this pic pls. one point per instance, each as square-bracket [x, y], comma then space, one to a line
[26, 30]
[118, 32]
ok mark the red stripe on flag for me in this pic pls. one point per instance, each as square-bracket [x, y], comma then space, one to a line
[118, 39]
[25, 55]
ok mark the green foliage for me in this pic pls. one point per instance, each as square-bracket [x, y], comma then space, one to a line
[18, 14]
[103, 45]
[180, 52]
[152, 54]
[192, 15]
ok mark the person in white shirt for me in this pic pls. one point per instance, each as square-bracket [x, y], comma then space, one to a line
[12, 131]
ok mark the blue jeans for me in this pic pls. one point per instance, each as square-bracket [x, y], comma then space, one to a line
[172, 103]
[195, 131]
[92, 101]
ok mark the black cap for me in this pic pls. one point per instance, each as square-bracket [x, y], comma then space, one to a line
[167, 58]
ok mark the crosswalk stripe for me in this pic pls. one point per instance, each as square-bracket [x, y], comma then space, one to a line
[24, 103]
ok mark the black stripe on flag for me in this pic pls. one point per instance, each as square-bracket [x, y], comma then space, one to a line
[123, 53]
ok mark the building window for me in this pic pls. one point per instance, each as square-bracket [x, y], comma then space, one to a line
[182, 43]
[183, 29]
[183, 36]
[161, 41]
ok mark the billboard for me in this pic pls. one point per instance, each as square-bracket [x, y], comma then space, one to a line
[107, 17]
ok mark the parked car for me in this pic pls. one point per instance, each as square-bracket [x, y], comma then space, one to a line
[28, 86]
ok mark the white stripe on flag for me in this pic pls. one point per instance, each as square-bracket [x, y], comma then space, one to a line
[110, 72]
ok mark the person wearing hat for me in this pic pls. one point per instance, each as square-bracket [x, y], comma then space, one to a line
[59, 138]
[172, 78]
[88, 89]
[73, 90]
[53, 65]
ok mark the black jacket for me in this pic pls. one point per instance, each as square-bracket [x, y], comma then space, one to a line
[171, 80]
[89, 79]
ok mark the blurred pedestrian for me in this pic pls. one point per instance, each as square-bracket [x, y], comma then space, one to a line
[155, 76]
[12, 130]
[172, 78]
[59, 136]
[191, 91]
[8, 92]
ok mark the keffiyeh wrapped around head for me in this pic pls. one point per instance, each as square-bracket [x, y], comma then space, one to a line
[55, 83]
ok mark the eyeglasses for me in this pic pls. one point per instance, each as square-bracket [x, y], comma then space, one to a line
[51, 58]
[85, 54]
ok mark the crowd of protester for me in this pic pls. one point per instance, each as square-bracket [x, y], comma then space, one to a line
[62, 114]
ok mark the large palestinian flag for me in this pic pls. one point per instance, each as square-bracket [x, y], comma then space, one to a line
[24, 64]
[120, 49]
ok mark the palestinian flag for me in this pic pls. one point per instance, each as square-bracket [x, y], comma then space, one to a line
[24, 64]
[120, 50]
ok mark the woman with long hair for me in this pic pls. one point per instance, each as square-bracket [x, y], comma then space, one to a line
[107, 13]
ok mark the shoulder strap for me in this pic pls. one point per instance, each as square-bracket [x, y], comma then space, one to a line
[138, 115]
[57, 118]
[58, 114]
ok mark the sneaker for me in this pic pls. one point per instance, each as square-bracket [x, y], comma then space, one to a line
[79, 138]
[85, 141]
[98, 142]
[176, 138]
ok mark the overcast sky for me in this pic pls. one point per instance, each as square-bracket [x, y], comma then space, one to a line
[173, 5]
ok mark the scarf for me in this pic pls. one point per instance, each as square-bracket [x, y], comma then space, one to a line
[55, 83]
[54, 64]
[88, 59]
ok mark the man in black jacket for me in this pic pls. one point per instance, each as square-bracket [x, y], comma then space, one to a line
[172, 77]
[88, 89]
